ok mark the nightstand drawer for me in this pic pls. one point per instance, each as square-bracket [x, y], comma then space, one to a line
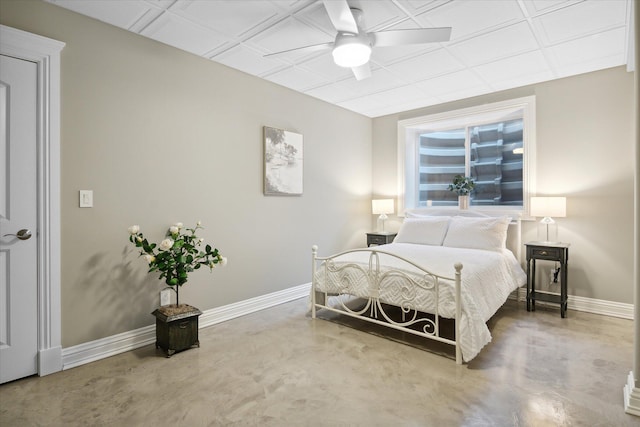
[377, 240]
[546, 253]
[380, 238]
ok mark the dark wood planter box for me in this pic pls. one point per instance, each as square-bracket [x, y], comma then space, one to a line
[176, 328]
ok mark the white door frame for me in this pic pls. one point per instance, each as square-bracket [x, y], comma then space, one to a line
[45, 53]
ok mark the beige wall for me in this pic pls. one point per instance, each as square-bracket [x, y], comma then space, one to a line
[162, 136]
[585, 140]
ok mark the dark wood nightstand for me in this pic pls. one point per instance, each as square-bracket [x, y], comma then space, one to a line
[380, 238]
[551, 252]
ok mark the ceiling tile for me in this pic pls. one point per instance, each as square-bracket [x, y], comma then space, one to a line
[584, 18]
[378, 14]
[508, 41]
[333, 92]
[176, 32]
[287, 34]
[244, 59]
[472, 17]
[419, 6]
[536, 7]
[296, 79]
[317, 16]
[324, 65]
[216, 15]
[516, 71]
[604, 48]
[382, 101]
[406, 106]
[425, 66]
[122, 14]
[460, 82]
[351, 88]
[391, 54]
[379, 81]
[370, 102]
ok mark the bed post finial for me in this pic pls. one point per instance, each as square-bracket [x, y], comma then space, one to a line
[314, 249]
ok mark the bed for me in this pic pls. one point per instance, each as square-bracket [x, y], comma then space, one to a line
[439, 267]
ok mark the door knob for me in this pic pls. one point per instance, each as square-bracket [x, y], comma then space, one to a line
[23, 234]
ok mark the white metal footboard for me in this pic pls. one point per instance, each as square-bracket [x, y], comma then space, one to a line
[373, 279]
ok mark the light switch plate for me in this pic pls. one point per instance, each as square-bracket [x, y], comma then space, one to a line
[86, 198]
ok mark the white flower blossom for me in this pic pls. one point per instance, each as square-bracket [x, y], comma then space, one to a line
[134, 229]
[149, 258]
[138, 239]
[200, 240]
[174, 229]
[178, 224]
[223, 261]
[198, 224]
[166, 244]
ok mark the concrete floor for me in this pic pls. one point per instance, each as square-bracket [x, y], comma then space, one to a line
[278, 367]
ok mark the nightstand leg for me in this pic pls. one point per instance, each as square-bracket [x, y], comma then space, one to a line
[563, 290]
[528, 285]
[533, 285]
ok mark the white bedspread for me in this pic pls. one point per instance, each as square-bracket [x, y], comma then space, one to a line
[488, 277]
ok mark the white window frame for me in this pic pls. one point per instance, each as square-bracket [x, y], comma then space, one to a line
[409, 129]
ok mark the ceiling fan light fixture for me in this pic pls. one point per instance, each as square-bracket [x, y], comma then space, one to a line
[350, 50]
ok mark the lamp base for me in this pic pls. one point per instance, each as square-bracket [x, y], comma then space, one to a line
[548, 230]
[382, 218]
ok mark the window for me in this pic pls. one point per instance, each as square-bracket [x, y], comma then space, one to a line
[493, 143]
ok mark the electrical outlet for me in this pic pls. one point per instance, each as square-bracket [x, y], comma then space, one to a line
[165, 297]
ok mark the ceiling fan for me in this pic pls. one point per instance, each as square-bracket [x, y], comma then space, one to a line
[352, 46]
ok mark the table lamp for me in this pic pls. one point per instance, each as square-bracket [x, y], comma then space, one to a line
[382, 207]
[548, 207]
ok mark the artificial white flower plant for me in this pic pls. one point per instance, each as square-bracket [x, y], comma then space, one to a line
[177, 255]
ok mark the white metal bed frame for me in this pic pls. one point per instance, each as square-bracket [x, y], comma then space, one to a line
[375, 277]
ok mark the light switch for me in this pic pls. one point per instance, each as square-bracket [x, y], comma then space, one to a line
[86, 198]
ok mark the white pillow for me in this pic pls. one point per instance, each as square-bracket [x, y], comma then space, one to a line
[423, 230]
[477, 233]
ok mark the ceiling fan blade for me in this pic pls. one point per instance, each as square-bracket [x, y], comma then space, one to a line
[341, 16]
[362, 72]
[305, 49]
[413, 36]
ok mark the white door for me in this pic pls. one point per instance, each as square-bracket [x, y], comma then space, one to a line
[18, 210]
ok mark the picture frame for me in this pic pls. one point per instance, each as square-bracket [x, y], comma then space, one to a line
[283, 162]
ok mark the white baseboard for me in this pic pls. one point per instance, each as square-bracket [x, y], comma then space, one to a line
[631, 396]
[126, 341]
[590, 305]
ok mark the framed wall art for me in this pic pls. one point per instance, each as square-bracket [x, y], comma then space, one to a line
[283, 161]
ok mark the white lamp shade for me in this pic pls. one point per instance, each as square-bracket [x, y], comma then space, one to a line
[549, 207]
[382, 206]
